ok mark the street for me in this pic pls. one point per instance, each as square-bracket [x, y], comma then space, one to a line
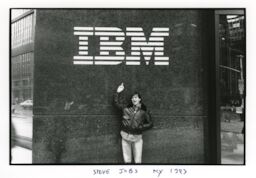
[22, 123]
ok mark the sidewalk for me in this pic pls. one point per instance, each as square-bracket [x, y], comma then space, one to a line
[21, 155]
[232, 148]
[22, 132]
[232, 139]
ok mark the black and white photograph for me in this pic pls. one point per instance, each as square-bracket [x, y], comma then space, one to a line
[128, 86]
[114, 89]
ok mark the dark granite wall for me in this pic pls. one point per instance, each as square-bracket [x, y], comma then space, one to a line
[88, 132]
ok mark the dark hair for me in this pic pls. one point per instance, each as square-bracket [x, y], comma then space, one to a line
[136, 93]
[143, 106]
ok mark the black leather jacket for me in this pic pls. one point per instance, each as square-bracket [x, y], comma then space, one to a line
[135, 119]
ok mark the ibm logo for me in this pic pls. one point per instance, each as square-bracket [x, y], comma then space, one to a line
[111, 40]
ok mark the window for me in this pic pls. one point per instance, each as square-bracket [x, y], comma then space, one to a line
[22, 32]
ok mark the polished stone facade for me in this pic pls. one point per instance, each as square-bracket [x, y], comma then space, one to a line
[88, 130]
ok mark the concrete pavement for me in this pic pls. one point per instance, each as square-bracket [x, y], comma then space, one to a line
[232, 139]
[21, 155]
[22, 122]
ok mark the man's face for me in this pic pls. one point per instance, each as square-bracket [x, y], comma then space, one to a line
[135, 100]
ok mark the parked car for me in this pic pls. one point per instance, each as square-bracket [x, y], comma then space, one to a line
[27, 104]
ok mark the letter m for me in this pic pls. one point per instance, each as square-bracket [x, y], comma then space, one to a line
[140, 45]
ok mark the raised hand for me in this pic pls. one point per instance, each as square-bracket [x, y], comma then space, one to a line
[120, 88]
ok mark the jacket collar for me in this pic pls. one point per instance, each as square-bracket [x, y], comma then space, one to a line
[137, 108]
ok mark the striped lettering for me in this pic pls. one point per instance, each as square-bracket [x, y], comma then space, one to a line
[111, 49]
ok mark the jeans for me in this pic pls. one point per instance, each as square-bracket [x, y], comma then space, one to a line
[132, 146]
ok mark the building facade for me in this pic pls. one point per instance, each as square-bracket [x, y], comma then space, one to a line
[22, 55]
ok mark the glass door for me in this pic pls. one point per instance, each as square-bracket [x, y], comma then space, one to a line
[230, 60]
